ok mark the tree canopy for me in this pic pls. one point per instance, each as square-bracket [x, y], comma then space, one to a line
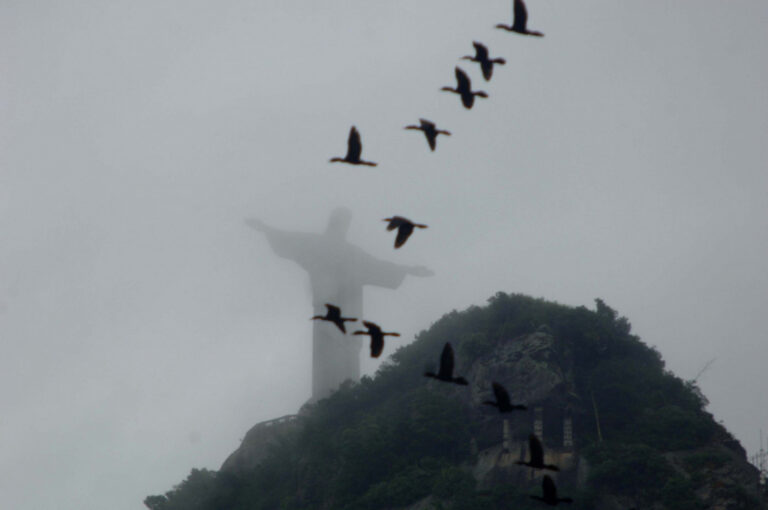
[391, 440]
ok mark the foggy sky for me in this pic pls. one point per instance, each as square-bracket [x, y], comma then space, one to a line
[144, 328]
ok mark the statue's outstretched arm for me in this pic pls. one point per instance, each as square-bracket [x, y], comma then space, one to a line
[296, 246]
[257, 224]
[380, 273]
[419, 271]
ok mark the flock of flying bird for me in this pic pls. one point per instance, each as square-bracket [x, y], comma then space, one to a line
[405, 228]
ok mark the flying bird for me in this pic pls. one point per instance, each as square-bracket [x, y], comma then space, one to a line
[333, 314]
[430, 131]
[502, 400]
[404, 228]
[520, 22]
[481, 57]
[536, 451]
[446, 368]
[354, 148]
[464, 89]
[550, 493]
[377, 337]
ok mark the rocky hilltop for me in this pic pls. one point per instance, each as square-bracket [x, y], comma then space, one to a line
[624, 431]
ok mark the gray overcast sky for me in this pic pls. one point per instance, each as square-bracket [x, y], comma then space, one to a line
[144, 328]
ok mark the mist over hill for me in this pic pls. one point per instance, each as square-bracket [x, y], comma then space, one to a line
[625, 431]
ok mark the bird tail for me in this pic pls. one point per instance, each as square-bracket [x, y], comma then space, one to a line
[461, 380]
[551, 467]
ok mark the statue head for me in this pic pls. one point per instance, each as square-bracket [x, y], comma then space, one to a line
[338, 223]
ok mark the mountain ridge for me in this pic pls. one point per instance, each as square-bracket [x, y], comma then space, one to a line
[626, 431]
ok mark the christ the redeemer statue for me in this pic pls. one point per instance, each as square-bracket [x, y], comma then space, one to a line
[337, 271]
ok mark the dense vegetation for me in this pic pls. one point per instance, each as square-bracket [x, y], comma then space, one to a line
[392, 440]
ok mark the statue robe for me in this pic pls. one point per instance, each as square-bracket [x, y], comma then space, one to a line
[337, 273]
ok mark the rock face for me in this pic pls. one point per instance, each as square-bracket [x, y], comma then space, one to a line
[532, 372]
[257, 442]
[528, 367]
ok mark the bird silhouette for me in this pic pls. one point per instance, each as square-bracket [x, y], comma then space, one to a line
[446, 368]
[377, 337]
[430, 131]
[549, 493]
[404, 228]
[333, 314]
[354, 148]
[536, 453]
[502, 400]
[464, 89]
[520, 22]
[481, 57]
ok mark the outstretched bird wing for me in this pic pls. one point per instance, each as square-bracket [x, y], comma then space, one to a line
[462, 81]
[521, 16]
[481, 52]
[431, 139]
[446, 362]
[548, 488]
[354, 147]
[377, 345]
[536, 451]
[403, 233]
[426, 124]
[395, 222]
[502, 397]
